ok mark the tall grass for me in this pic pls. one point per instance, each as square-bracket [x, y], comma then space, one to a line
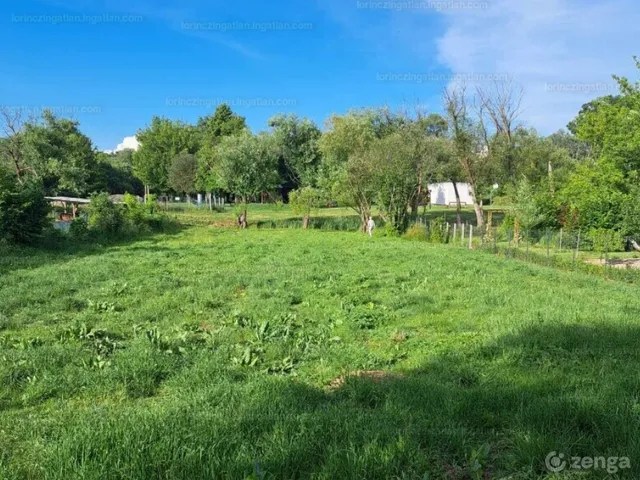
[294, 354]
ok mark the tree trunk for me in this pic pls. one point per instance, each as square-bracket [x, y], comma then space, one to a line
[242, 219]
[18, 171]
[364, 218]
[458, 204]
[305, 222]
[416, 201]
[479, 211]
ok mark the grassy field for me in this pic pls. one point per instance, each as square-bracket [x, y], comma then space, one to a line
[217, 353]
[269, 214]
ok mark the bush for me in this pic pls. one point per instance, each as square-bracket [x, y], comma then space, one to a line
[416, 233]
[79, 229]
[136, 211]
[23, 210]
[134, 218]
[105, 217]
[438, 231]
[605, 241]
[389, 230]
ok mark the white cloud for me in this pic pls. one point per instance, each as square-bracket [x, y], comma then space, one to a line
[563, 52]
[130, 143]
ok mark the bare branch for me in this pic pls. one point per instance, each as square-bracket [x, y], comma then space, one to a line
[12, 148]
[502, 103]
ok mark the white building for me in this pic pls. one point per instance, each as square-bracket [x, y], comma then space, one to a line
[444, 194]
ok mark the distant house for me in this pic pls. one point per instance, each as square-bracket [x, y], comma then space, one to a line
[444, 194]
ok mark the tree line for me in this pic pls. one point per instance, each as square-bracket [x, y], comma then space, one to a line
[583, 177]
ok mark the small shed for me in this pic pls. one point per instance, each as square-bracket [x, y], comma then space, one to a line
[444, 194]
[65, 202]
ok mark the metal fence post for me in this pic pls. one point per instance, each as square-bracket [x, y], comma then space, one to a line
[548, 247]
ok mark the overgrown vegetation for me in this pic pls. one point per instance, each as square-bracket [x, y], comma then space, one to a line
[23, 210]
[366, 159]
[369, 362]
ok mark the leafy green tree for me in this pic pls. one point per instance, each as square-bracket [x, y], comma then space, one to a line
[23, 209]
[425, 136]
[122, 159]
[105, 217]
[544, 164]
[12, 149]
[395, 161]
[631, 213]
[447, 169]
[56, 152]
[346, 172]
[434, 125]
[578, 150]
[471, 152]
[305, 201]
[211, 130]
[300, 156]
[525, 207]
[248, 165]
[114, 174]
[594, 196]
[182, 174]
[600, 192]
[160, 143]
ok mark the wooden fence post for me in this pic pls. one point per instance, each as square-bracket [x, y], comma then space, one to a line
[470, 237]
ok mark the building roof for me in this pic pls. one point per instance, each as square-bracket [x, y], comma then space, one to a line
[68, 199]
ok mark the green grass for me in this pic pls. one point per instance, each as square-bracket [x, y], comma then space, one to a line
[280, 216]
[209, 353]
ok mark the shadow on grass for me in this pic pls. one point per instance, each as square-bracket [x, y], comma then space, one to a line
[563, 388]
[63, 249]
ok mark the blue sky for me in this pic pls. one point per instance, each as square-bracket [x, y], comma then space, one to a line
[113, 64]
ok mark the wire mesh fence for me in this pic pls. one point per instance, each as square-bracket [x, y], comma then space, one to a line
[598, 252]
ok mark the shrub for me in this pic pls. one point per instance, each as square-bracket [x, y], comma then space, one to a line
[305, 201]
[437, 231]
[605, 241]
[105, 217]
[416, 233]
[162, 223]
[23, 210]
[506, 229]
[79, 229]
[135, 210]
[389, 230]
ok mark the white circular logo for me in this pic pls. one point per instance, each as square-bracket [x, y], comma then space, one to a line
[555, 462]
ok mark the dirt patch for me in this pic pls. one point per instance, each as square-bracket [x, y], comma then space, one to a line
[616, 262]
[374, 375]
